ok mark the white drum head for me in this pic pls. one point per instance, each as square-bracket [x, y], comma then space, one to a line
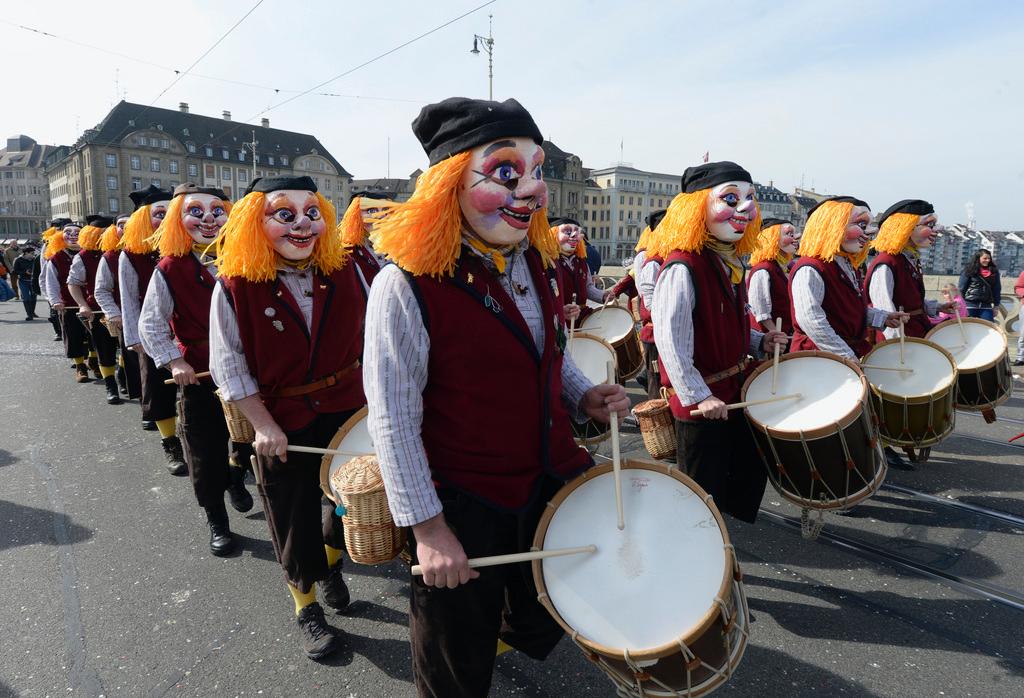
[648, 585]
[932, 370]
[591, 355]
[830, 390]
[611, 324]
[356, 442]
[984, 345]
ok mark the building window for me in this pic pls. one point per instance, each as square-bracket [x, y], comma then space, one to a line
[136, 184]
[270, 159]
[155, 182]
[211, 172]
[225, 174]
[155, 142]
[164, 143]
[172, 184]
[622, 200]
[224, 153]
[243, 175]
[621, 212]
[136, 162]
[241, 156]
[190, 147]
[113, 206]
[111, 160]
[193, 170]
[284, 160]
[154, 164]
[209, 151]
[327, 183]
[172, 167]
[112, 183]
[227, 191]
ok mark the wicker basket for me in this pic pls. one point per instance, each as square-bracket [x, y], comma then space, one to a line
[240, 429]
[371, 536]
[658, 427]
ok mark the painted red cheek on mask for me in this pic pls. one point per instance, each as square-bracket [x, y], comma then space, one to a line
[853, 232]
[487, 200]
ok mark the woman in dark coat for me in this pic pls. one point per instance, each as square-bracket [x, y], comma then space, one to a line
[980, 287]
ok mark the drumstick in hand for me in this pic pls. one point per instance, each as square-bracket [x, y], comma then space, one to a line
[902, 335]
[201, 374]
[616, 455]
[750, 403]
[324, 451]
[775, 361]
[520, 557]
[960, 323]
[572, 323]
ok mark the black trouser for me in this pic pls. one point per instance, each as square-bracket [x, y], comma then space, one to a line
[653, 370]
[102, 342]
[132, 376]
[454, 632]
[722, 457]
[28, 297]
[75, 344]
[55, 321]
[300, 517]
[158, 398]
[204, 439]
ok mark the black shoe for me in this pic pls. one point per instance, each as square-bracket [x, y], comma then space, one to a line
[94, 366]
[222, 540]
[175, 458]
[121, 381]
[1019, 362]
[895, 460]
[148, 425]
[318, 638]
[113, 398]
[83, 373]
[335, 589]
[241, 500]
[29, 319]
[642, 380]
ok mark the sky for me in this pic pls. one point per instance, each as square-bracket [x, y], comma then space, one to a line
[879, 99]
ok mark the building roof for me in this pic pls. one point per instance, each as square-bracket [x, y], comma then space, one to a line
[767, 192]
[387, 185]
[555, 160]
[22, 151]
[127, 117]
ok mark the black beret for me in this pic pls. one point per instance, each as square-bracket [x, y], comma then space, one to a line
[769, 222]
[76, 224]
[841, 199]
[269, 184]
[59, 222]
[458, 124]
[917, 207]
[371, 195]
[563, 221]
[149, 195]
[712, 174]
[99, 221]
[192, 188]
[654, 217]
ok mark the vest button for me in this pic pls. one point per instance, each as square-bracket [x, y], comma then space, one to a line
[316, 403]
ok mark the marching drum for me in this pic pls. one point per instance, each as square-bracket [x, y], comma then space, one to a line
[659, 606]
[822, 450]
[591, 355]
[985, 379]
[912, 400]
[615, 325]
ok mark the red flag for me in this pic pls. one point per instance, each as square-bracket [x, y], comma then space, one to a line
[707, 154]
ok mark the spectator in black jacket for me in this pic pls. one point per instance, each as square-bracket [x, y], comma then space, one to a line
[980, 287]
[593, 257]
[22, 276]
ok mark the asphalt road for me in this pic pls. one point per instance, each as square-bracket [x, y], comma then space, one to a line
[108, 587]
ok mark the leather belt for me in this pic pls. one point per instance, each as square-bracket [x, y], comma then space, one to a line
[717, 377]
[313, 387]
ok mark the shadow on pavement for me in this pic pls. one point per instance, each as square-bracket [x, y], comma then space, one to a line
[24, 525]
[7, 458]
[910, 513]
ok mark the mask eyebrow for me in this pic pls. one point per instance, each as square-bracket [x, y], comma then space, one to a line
[498, 146]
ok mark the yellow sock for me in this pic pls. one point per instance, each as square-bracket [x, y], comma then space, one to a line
[333, 555]
[302, 600]
[107, 371]
[92, 355]
[79, 360]
[502, 648]
[120, 361]
[166, 426]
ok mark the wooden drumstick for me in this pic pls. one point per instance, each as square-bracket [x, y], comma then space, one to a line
[888, 368]
[572, 322]
[902, 336]
[751, 403]
[325, 451]
[201, 374]
[775, 361]
[616, 455]
[520, 557]
[960, 323]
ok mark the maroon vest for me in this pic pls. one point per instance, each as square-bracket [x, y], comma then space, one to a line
[627, 285]
[367, 263]
[62, 262]
[191, 287]
[844, 306]
[91, 260]
[113, 257]
[144, 264]
[647, 328]
[779, 287]
[572, 281]
[493, 419]
[281, 353]
[907, 291]
[721, 332]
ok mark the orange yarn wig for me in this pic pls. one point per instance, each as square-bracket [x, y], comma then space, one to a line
[137, 232]
[244, 250]
[48, 233]
[644, 241]
[685, 227]
[767, 245]
[825, 230]
[56, 244]
[171, 238]
[89, 237]
[424, 235]
[894, 235]
[351, 226]
[581, 247]
[109, 239]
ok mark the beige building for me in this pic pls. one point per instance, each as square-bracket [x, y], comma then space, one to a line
[135, 146]
[24, 194]
[563, 173]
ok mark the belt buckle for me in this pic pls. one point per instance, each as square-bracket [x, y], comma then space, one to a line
[331, 380]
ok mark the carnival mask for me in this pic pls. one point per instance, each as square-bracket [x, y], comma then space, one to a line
[856, 234]
[502, 188]
[373, 213]
[71, 236]
[203, 215]
[730, 209]
[120, 226]
[292, 222]
[569, 237]
[157, 211]
[924, 233]
[788, 239]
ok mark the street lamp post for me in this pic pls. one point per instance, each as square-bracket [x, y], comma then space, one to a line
[488, 44]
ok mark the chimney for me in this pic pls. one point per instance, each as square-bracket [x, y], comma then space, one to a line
[265, 122]
[771, 183]
[227, 115]
[183, 107]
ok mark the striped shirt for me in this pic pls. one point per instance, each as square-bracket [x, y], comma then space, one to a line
[104, 291]
[880, 292]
